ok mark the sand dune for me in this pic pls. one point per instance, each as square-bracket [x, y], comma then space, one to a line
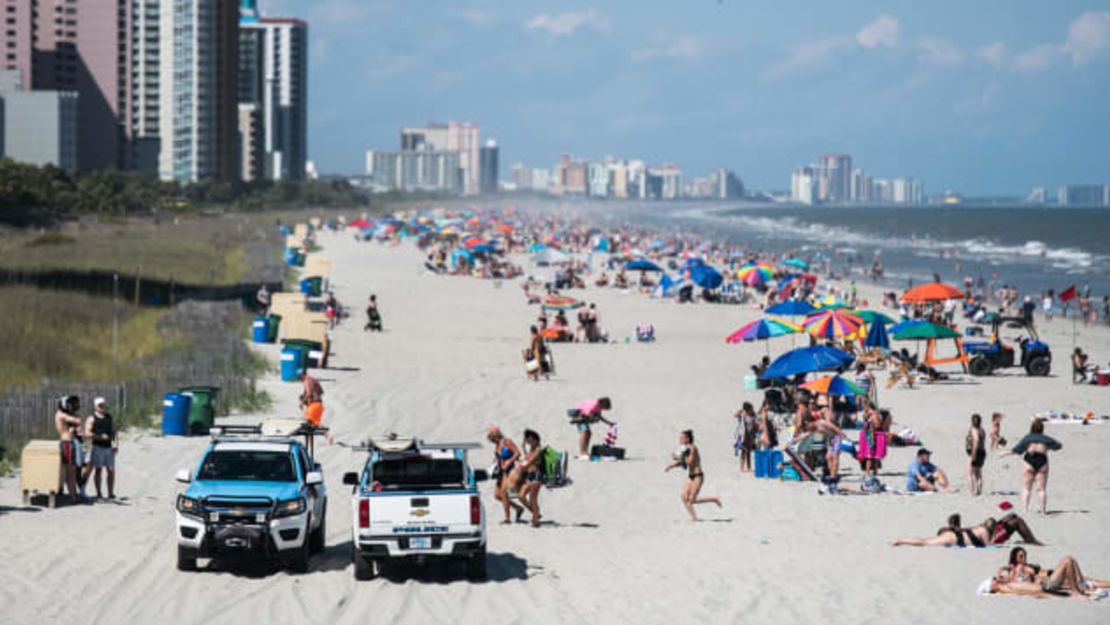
[618, 546]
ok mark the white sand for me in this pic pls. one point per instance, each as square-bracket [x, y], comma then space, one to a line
[620, 549]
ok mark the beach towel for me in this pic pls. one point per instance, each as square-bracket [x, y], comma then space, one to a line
[872, 444]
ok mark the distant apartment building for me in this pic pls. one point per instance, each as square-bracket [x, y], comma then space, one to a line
[618, 179]
[37, 127]
[281, 45]
[463, 138]
[570, 177]
[897, 191]
[530, 179]
[252, 152]
[597, 175]
[81, 46]
[860, 186]
[803, 185]
[725, 185]
[414, 170]
[488, 167]
[1083, 195]
[834, 173]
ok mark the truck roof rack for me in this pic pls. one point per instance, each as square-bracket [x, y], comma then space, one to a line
[271, 430]
[394, 443]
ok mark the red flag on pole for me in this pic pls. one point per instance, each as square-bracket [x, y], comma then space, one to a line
[1067, 294]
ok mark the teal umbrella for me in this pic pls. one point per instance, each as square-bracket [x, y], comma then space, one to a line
[923, 331]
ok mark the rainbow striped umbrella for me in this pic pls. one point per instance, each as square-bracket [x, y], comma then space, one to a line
[755, 274]
[834, 385]
[763, 329]
[832, 324]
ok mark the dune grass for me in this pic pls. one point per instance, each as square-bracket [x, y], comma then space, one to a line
[61, 335]
[195, 251]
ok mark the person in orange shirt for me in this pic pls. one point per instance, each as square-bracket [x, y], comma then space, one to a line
[314, 412]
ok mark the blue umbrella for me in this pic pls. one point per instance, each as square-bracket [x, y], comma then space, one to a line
[537, 247]
[642, 264]
[877, 336]
[705, 276]
[807, 360]
[791, 308]
[797, 263]
[483, 247]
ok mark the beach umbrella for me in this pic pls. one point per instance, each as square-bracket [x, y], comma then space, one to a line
[550, 256]
[561, 302]
[755, 274]
[934, 292]
[461, 253]
[360, 223]
[504, 228]
[705, 276]
[473, 241]
[872, 316]
[796, 263]
[762, 329]
[877, 336]
[791, 307]
[642, 264]
[925, 330]
[483, 247]
[834, 385]
[537, 247]
[832, 324]
[807, 360]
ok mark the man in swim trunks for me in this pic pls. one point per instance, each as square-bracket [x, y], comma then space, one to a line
[66, 422]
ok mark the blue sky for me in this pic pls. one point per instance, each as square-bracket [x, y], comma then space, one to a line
[983, 97]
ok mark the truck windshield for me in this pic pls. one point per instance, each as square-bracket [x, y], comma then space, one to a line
[255, 466]
[398, 473]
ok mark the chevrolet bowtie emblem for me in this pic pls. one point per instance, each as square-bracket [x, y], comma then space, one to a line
[420, 512]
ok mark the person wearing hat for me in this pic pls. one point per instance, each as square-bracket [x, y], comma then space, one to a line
[924, 476]
[100, 428]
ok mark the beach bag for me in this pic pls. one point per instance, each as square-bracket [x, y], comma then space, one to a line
[611, 435]
[532, 366]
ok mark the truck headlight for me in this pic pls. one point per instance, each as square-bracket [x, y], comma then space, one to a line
[188, 505]
[290, 507]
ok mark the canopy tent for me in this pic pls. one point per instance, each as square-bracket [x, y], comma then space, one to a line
[931, 333]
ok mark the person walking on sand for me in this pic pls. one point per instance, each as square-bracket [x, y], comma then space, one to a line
[528, 476]
[373, 315]
[66, 422]
[689, 458]
[100, 427]
[505, 455]
[747, 431]
[976, 455]
[1034, 448]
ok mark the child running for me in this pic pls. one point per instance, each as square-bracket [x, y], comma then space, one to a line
[689, 458]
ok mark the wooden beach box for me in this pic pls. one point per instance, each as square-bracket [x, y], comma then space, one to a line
[41, 470]
[308, 326]
[316, 222]
[294, 242]
[317, 266]
[287, 305]
[300, 231]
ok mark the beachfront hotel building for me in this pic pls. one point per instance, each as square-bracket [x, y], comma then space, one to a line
[488, 166]
[452, 136]
[37, 127]
[414, 170]
[82, 47]
[273, 77]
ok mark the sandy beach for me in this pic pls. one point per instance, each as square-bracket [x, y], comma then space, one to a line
[616, 545]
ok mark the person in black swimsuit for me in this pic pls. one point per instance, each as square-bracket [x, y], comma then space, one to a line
[1034, 448]
[976, 455]
[689, 458]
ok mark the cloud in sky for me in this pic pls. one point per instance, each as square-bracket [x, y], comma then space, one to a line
[939, 52]
[566, 24]
[992, 54]
[1037, 59]
[883, 32]
[1088, 36]
[683, 48]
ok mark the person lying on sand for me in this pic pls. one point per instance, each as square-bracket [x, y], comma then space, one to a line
[1066, 580]
[989, 532]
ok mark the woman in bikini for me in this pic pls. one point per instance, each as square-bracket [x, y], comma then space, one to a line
[1019, 577]
[989, 532]
[527, 478]
[505, 454]
[690, 458]
[1034, 448]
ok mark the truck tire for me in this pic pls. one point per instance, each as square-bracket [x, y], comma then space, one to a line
[476, 565]
[980, 365]
[185, 560]
[319, 535]
[364, 568]
[298, 560]
[1038, 366]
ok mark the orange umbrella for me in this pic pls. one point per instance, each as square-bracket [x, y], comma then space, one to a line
[934, 292]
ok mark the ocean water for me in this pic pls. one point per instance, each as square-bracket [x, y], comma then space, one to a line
[1032, 248]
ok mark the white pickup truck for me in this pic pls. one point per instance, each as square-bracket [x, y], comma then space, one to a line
[420, 501]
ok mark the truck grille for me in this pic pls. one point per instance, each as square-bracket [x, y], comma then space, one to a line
[237, 510]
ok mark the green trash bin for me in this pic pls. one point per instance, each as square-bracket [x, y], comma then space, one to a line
[315, 286]
[273, 327]
[202, 408]
[306, 348]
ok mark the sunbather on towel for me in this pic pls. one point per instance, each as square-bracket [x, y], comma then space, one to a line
[989, 532]
[1065, 580]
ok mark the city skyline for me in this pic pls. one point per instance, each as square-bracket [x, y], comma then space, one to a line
[979, 99]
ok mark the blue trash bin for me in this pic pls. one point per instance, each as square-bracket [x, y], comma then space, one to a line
[291, 364]
[774, 463]
[260, 330]
[760, 464]
[175, 414]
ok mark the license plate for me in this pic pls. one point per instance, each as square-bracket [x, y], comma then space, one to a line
[420, 542]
